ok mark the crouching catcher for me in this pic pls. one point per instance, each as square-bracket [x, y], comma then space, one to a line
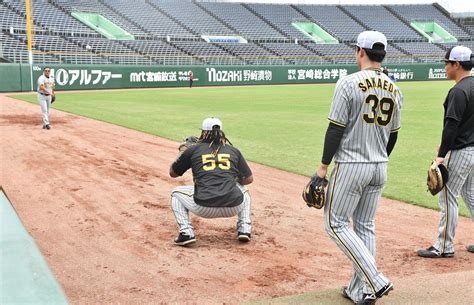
[220, 174]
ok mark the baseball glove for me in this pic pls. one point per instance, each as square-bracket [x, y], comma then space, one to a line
[314, 193]
[188, 142]
[437, 178]
[53, 98]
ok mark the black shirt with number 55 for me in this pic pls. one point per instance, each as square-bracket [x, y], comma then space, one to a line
[215, 176]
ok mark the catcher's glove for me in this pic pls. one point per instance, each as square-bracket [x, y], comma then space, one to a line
[188, 142]
[53, 98]
[437, 178]
[314, 193]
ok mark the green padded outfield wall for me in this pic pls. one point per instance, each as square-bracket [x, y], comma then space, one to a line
[11, 77]
[16, 77]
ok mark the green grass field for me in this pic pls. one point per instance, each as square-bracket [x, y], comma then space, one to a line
[279, 126]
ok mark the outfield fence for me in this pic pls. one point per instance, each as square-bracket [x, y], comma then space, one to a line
[17, 77]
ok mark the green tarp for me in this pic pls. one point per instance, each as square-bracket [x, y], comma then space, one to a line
[24, 275]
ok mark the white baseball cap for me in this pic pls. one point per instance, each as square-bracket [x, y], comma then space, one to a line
[460, 53]
[367, 39]
[208, 123]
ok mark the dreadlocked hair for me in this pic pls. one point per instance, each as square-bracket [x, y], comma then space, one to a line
[215, 137]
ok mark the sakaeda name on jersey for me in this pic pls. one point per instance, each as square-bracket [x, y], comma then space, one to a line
[375, 82]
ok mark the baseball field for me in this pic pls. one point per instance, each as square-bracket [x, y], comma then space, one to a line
[278, 126]
[94, 194]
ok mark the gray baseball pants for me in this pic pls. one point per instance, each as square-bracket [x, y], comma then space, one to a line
[353, 192]
[182, 201]
[460, 164]
[45, 103]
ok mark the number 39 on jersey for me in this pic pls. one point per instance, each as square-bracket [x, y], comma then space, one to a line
[381, 110]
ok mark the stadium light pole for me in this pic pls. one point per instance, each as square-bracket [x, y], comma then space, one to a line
[29, 36]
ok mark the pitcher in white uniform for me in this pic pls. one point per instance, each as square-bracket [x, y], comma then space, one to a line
[45, 94]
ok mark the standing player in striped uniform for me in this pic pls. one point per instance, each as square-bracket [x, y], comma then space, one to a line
[456, 150]
[363, 123]
[220, 173]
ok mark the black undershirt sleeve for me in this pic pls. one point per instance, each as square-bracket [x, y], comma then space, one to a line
[449, 134]
[332, 141]
[391, 142]
[183, 163]
[242, 166]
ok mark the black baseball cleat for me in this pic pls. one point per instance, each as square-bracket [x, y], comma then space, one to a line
[432, 252]
[344, 293]
[244, 237]
[370, 299]
[183, 239]
[470, 248]
[47, 127]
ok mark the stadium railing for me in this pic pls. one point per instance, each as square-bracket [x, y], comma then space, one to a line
[19, 56]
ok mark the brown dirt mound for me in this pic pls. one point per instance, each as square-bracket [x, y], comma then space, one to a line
[95, 197]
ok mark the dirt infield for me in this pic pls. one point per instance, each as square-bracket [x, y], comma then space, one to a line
[95, 197]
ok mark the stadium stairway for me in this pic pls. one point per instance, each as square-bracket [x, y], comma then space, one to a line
[352, 16]
[233, 53]
[302, 12]
[186, 51]
[314, 21]
[58, 6]
[388, 8]
[446, 13]
[265, 20]
[272, 51]
[173, 18]
[123, 43]
[124, 17]
[83, 46]
[395, 46]
[217, 18]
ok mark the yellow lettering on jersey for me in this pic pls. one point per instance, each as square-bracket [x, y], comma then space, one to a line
[374, 82]
[379, 83]
[369, 84]
[209, 161]
[224, 161]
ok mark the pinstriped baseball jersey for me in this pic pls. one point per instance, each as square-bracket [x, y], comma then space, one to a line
[368, 105]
